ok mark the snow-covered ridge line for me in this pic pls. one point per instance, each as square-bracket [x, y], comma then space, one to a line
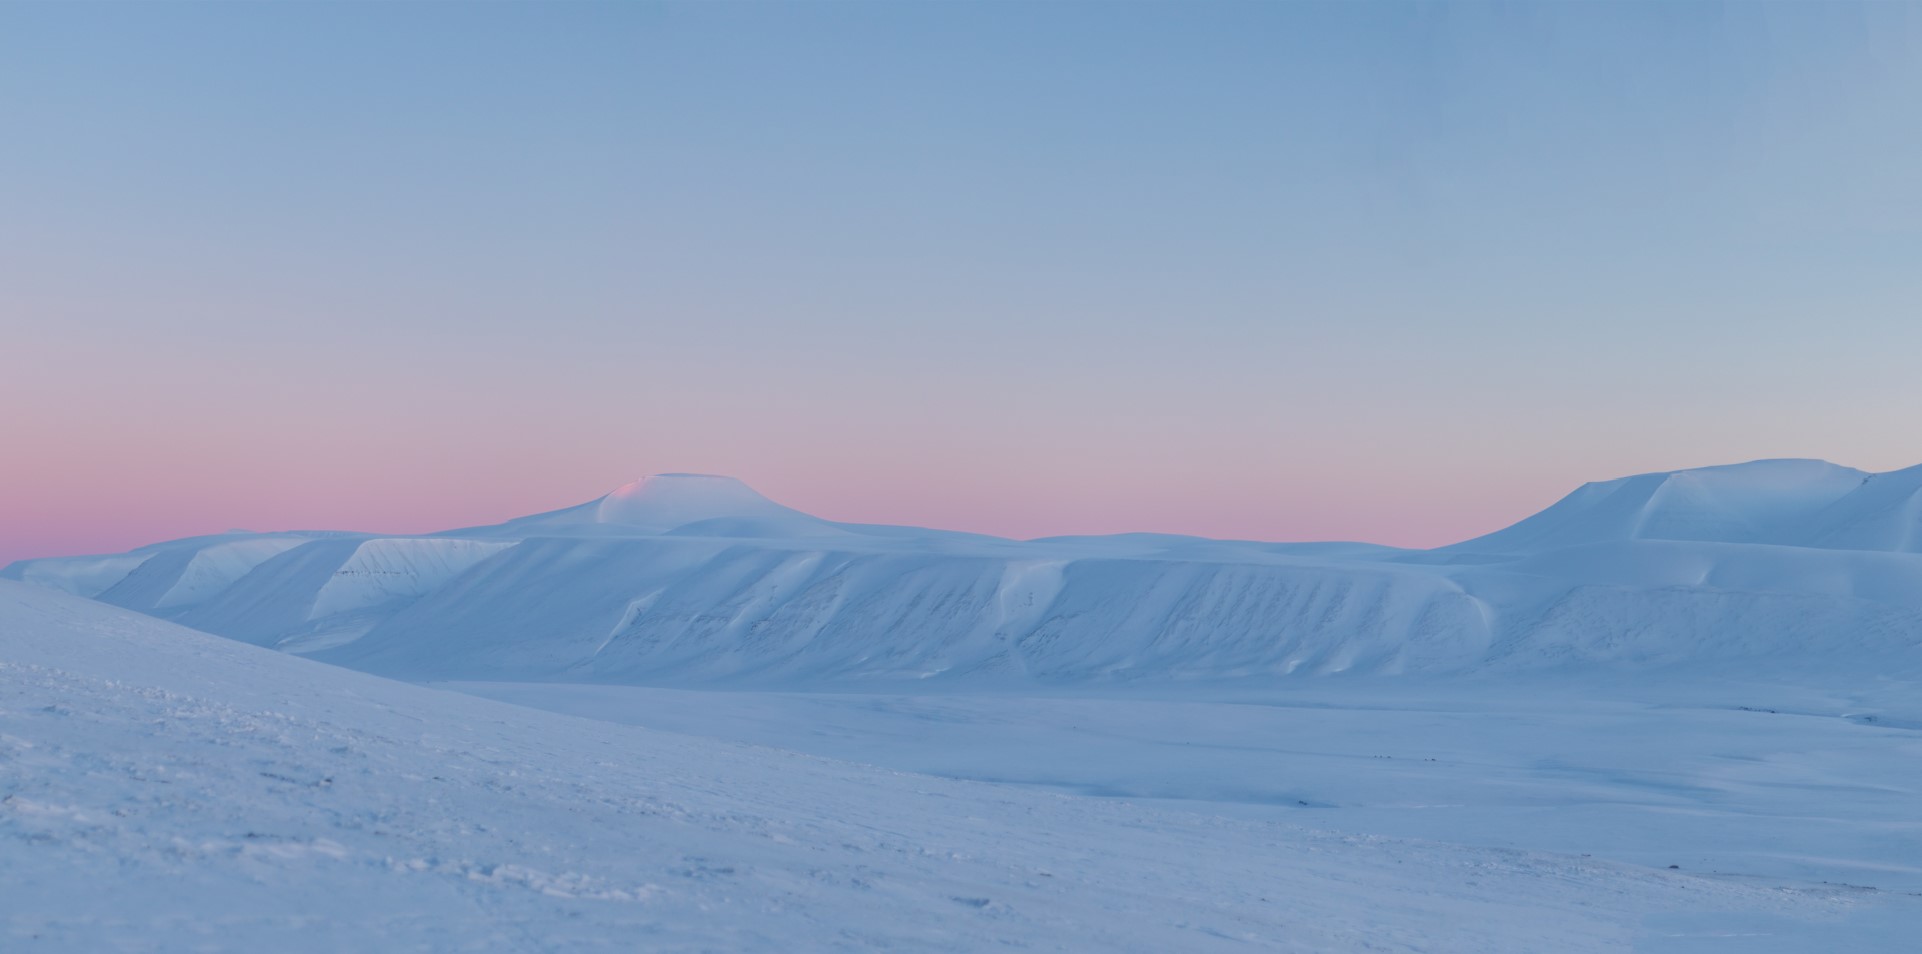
[1806, 503]
[692, 577]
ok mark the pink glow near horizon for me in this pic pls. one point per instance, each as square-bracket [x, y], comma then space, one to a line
[1282, 271]
[106, 524]
[124, 450]
[91, 513]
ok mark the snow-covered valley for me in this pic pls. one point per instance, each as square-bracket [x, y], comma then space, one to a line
[1756, 782]
[1673, 713]
[875, 476]
[166, 790]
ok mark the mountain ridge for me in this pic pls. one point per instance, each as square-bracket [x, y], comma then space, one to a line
[698, 578]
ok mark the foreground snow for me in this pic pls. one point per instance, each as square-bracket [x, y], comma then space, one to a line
[162, 789]
[1764, 782]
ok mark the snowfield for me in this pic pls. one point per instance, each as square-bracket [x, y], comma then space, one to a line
[1756, 782]
[166, 790]
[1672, 713]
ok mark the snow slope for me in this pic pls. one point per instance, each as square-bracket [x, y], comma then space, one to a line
[1764, 501]
[698, 579]
[1885, 513]
[1799, 503]
[164, 790]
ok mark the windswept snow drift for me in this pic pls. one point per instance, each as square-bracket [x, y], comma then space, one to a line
[165, 790]
[685, 578]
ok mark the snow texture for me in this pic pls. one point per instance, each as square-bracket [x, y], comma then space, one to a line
[163, 790]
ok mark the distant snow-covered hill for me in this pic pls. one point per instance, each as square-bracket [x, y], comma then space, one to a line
[683, 578]
[1800, 503]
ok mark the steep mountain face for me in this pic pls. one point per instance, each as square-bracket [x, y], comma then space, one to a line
[690, 578]
[675, 610]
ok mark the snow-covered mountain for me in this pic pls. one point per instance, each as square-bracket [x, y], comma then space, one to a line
[698, 579]
[1798, 503]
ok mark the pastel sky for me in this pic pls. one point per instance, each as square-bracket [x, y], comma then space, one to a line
[1401, 273]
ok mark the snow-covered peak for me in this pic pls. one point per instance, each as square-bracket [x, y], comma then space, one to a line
[665, 502]
[1763, 501]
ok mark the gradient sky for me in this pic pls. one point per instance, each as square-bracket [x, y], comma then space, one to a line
[1401, 273]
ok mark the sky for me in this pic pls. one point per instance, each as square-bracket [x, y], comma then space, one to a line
[1402, 273]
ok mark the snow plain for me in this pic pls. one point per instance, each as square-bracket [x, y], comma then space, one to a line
[1737, 780]
[765, 731]
[167, 790]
